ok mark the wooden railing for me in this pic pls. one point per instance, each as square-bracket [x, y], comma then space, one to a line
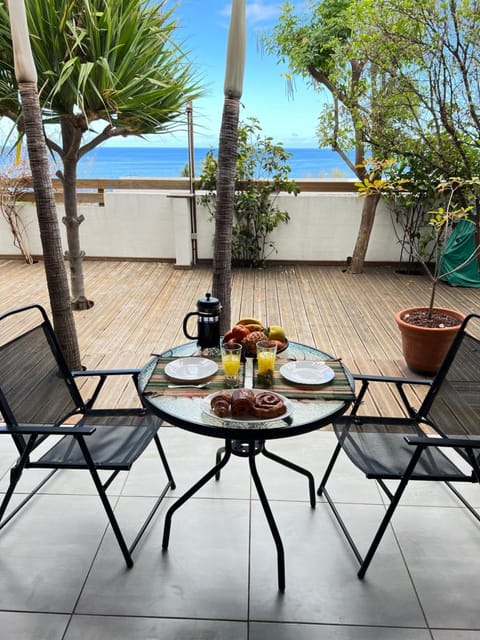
[149, 219]
[93, 191]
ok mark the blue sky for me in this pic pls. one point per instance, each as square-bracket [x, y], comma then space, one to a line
[204, 29]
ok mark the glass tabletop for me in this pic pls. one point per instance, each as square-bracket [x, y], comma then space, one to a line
[186, 411]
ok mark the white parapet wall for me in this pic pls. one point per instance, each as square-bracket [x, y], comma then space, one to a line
[155, 225]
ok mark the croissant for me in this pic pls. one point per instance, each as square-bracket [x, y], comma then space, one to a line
[242, 402]
[220, 403]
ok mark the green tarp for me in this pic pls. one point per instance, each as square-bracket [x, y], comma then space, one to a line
[459, 247]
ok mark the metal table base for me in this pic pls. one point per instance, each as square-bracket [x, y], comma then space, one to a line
[246, 449]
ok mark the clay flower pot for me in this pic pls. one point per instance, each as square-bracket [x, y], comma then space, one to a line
[424, 348]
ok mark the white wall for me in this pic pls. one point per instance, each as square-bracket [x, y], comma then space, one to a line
[155, 225]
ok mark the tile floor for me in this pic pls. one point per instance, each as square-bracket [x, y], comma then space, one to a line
[62, 575]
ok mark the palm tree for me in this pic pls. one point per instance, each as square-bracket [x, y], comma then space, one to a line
[109, 61]
[227, 161]
[44, 197]
[9, 105]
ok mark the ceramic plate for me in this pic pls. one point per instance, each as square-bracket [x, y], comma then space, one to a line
[191, 369]
[307, 372]
[206, 408]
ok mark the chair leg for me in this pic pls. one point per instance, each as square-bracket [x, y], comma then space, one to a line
[394, 500]
[170, 485]
[150, 516]
[10, 492]
[463, 500]
[389, 513]
[328, 471]
[15, 474]
[106, 503]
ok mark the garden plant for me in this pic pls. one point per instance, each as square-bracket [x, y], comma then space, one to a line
[262, 173]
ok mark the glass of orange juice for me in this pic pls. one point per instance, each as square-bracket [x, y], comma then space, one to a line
[266, 354]
[231, 355]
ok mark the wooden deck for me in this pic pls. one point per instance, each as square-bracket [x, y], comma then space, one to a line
[139, 309]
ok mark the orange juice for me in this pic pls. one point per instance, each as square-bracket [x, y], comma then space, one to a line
[265, 361]
[231, 363]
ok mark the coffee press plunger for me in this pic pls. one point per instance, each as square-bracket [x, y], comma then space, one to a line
[208, 322]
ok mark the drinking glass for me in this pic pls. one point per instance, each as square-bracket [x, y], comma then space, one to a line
[231, 355]
[266, 354]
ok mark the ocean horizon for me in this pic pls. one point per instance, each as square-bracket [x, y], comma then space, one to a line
[169, 162]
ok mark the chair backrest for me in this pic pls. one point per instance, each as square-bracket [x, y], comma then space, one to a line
[36, 386]
[453, 401]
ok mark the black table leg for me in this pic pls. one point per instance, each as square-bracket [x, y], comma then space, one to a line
[220, 453]
[294, 467]
[269, 515]
[188, 494]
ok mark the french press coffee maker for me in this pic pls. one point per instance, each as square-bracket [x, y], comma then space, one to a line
[208, 323]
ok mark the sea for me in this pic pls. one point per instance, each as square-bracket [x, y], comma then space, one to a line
[169, 162]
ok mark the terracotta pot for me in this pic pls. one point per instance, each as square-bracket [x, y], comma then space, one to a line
[424, 348]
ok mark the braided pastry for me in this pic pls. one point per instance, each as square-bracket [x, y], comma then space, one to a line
[268, 405]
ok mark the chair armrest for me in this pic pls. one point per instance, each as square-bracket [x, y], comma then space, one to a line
[42, 429]
[436, 441]
[105, 372]
[392, 379]
[102, 375]
[399, 383]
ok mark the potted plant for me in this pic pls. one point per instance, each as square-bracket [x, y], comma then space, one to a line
[428, 331]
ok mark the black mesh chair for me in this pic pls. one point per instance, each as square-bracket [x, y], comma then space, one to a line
[40, 401]
[424, 444]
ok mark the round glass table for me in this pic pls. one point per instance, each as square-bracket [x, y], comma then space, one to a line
[311, 408]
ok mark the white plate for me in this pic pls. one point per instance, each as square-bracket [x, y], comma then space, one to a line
[206, 408]
[307, 372]
[191, 369]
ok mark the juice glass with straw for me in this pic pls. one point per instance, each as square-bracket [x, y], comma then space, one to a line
[231, 354]
[266, 354]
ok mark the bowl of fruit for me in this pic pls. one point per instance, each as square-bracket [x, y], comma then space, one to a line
[249, 331]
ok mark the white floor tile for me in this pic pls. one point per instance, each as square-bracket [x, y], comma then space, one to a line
[28, 626]
[204, 573]
[218, 579]
[321, 581]
[441, 548]
[102, 627]
[271, 631]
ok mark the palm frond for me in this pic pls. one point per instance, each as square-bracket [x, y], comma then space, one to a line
[113, 60]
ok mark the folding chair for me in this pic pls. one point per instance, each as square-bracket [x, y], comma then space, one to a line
[40, 401]
[423, 444]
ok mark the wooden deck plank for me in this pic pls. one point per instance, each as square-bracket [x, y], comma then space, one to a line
[139, 309]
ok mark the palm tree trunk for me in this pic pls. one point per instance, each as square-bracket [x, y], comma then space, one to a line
[55, 271]
[222, 254]
[72, 221]
[227, 162]
[72, 131]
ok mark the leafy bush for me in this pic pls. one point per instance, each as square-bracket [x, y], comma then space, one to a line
[15, 182]
[262, 173]
[435, 209]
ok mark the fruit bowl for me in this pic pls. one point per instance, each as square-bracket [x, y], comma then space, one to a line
[249, 331]
[283, 347]
[245, 354]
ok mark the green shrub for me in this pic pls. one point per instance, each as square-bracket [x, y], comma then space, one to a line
[262, 173]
